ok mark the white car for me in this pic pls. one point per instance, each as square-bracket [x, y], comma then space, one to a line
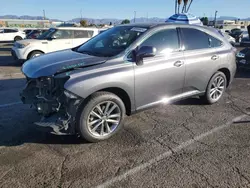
[11, 35]
[54, 39]
[229, 38]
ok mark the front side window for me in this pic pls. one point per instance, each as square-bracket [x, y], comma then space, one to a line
[47, 34]
[112, 42]
[83, 33]
[194, 39]
[63, 34]
[164, 41]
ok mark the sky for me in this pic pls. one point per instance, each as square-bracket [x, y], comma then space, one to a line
[120, 9]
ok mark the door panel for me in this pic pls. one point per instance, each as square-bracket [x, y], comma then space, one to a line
[158, 79]
[200, 66]
[62, 41]
[161, 77]
[59, 44]
[201, 58]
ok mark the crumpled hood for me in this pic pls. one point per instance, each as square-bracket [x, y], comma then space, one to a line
[61, 61]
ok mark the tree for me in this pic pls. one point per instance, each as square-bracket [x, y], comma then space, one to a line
[204, 20]
[84, 23]
[126, 21]
[110, 23]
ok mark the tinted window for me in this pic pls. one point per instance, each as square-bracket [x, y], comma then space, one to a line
[163, 41]
[214, 42]
[10, 31]
[83, 34]
[194, 39]
[63, 34]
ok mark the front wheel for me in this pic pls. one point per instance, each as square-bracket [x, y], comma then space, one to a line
[34, 54]
[101, 117]
[17, 38]
[216, 88]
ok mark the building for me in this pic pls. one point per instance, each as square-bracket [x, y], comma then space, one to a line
[19, 23]
[230, 24]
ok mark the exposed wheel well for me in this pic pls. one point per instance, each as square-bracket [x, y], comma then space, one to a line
[33, 52]
[227, 74]
[123, 95]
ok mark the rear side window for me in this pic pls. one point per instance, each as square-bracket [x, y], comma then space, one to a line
[83, 34]
[194, 39]
[10, 31]
[163, 41]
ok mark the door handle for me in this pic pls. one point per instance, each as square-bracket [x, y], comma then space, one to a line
[215, 57]
[67, 42]
[178, 63]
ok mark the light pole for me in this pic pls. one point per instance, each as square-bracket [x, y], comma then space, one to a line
[44, 15]
[215, 18]
[134, 16]
[81, 14]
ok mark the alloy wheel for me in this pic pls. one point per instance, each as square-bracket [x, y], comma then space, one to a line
[104, 118]
[217, 88]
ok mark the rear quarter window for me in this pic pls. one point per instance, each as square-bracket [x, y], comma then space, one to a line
[214, 42]
[83, 33]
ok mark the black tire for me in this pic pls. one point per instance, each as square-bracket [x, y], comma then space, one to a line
[34, 54]
[207, 97]
[17, 38]
[86, 109]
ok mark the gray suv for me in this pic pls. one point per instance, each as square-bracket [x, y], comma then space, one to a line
[88, 90]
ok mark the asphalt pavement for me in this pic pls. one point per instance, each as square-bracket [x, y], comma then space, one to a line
[186, 144]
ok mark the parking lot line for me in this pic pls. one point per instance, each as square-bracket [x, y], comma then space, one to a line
[10, 104]
[168, 153]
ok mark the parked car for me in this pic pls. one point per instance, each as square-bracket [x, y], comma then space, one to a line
[36, 33]
[11, 35]
[54, 39]
[230, 39]
[89, 89]
[243, 58]
[235, 33]
[245, 42]
[244, 34]
[27, 31]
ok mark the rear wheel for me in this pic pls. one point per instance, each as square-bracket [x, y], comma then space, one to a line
[101, 117]
[216, 88]
[17, 38]
[35, 54]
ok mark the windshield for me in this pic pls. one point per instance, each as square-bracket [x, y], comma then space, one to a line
[112, 42]
[47, 34]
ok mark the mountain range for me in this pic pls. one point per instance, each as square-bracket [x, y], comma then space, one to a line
[108, 20]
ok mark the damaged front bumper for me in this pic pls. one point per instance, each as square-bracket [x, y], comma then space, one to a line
[57, 106]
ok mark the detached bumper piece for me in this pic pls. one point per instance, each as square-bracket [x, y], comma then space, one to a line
[59, 125]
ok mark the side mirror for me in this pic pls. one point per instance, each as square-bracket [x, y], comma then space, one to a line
[145, 51]
[52, 38]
